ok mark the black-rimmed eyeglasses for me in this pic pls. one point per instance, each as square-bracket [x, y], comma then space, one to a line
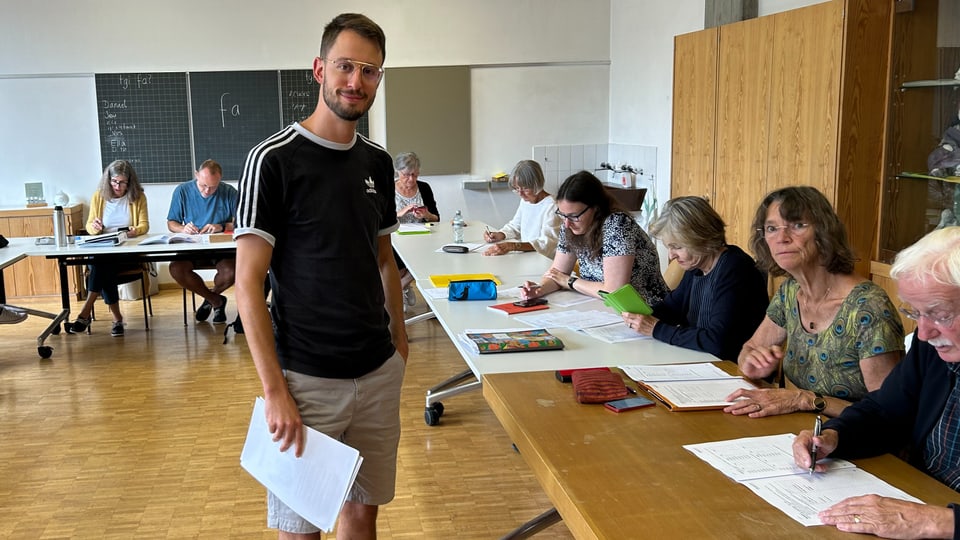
[571, 217]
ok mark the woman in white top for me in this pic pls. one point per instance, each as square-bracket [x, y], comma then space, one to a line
[535, 226]
[118, 204]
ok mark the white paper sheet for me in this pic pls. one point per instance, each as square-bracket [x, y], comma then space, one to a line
[614, 333]
[574, 320]
[314, 485]
[692, 394]
[802, 496]
[766, 466]
[752, 458]
[676, 372]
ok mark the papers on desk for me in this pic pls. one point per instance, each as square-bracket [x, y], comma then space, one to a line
[676, 372]
[314, 485]
[765, 465]
[564, 298]
[574, 320]
[615, 333]
[698, 395]
[178, 238]
[413, 228]
[101, 240]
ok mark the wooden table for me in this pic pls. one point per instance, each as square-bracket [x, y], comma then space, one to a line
[627, 476]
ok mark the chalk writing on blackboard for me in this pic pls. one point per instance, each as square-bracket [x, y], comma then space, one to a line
[143, 119]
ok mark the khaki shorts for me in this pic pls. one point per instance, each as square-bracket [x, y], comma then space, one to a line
[362, 413]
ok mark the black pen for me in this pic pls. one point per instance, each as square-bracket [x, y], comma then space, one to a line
[817, 427]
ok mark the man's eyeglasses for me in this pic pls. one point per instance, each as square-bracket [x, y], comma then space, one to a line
[795, 229]
[119, 183]
[942, 319]
[371, 73]
[571, 217]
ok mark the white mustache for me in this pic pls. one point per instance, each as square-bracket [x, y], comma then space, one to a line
[940, 342]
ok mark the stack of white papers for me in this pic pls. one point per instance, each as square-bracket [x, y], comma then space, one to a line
[314, 485]
[766, 466]
[676, 372]
[688, 386]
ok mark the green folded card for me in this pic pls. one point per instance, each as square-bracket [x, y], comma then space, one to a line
[626, 299]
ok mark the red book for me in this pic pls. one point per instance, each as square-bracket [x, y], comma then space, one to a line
[510, 309]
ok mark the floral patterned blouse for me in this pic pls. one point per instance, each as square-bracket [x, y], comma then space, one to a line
[622, 236]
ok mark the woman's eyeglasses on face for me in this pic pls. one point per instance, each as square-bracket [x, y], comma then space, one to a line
[941, 319]
[518, 189]
[794, 229]
[371, 73]
[571, 217]
[119, 183]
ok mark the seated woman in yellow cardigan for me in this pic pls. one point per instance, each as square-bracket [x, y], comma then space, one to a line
[118, 204]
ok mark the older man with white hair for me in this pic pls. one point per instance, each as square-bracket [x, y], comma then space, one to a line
[916, 410]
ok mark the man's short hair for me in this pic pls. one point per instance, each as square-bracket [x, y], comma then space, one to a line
[212, 166]
[936, 256]
[361, 24]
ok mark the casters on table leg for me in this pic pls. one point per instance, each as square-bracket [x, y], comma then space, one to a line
[44, 351]
[432, 414]
[56, 330]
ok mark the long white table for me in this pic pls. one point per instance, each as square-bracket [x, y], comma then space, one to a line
[130, 251]
[419, 252]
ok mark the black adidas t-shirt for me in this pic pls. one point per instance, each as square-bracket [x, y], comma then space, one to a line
[323, 207]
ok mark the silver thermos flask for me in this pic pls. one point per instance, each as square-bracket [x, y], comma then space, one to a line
[59, 226]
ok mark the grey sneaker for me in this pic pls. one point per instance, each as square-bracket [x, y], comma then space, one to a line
[409, 297]
[220, 313]
[9, 316]
[117, 330]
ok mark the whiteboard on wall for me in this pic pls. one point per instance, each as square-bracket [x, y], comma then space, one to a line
[49, 135]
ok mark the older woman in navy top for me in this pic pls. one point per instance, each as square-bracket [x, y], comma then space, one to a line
[722, 297]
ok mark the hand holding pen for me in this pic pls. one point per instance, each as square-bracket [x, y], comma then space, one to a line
[808, 446]
[817, 431]
[190, 228]
[492, 236]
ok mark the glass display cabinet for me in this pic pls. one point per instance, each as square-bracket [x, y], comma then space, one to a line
[924, 102]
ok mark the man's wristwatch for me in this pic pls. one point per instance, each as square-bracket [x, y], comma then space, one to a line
[819, 404]
[570, 282]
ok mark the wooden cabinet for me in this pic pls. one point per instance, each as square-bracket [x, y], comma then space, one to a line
[35, 276]
[796, 99]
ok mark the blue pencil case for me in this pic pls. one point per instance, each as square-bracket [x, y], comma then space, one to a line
[472, 289]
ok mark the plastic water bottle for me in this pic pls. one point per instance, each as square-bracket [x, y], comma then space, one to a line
[59, 226]
[458, 226]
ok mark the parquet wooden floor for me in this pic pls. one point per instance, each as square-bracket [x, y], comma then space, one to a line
[140, 437]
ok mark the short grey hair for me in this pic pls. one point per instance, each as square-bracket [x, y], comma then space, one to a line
[527, 174]
[406, 161]
[936, 256]
[692, 223]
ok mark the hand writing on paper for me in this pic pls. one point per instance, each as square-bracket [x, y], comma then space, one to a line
[530, 289]
[889, 518]
[493, 236]
[97, 225]
[826, 444]
[190, 228]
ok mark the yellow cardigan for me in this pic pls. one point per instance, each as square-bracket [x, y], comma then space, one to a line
[138, 213]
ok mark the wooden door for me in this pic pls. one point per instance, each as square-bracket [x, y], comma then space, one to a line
[694, 113]
[743, 106]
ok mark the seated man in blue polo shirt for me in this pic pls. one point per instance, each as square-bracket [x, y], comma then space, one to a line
[204, 206]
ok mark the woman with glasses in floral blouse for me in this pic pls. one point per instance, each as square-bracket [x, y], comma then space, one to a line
[610, 247]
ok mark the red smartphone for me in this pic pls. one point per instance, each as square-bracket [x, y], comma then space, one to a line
[628, 404]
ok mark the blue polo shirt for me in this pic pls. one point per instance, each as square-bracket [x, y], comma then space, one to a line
[189, 206]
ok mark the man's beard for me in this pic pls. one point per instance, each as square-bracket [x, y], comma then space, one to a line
[344, 112]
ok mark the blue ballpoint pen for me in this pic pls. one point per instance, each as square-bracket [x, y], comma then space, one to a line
[817, 427]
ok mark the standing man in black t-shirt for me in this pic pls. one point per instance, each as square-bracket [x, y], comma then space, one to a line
[317, 209]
